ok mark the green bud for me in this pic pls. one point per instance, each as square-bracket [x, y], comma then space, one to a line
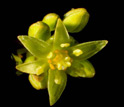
[39, 30]
[51, 20]
[35, 81]
[76, 19]
[38, 82]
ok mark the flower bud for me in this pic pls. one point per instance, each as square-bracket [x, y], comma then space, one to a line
[76, 19]
[38, 82]
[39, 30]
[51, 20]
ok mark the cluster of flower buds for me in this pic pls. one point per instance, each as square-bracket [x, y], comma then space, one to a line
[74, 20]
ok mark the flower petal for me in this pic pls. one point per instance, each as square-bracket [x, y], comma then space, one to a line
[61, 35]
[36, 47]
[56, 87]
[86, 50]
[81, 69]
[35, 67]
[72, 41]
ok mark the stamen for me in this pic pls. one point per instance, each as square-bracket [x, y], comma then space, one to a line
[67, 58]
[52, 67]
[59, 66]
[68, 64]
[64, 67]
[77, 52]
[63, 45]
[50, 55]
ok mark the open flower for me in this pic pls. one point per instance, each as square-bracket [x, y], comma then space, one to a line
[48, 61]
[52, 61]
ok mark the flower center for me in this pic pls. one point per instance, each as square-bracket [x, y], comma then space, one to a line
[59, 59]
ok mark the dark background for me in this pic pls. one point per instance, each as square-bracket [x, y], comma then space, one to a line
[79, 91]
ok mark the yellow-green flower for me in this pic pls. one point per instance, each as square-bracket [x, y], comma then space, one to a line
[50, 61]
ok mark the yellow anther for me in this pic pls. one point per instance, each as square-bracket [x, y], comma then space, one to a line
[50, 55]
[63, 45]
[59, 66]
[64, 67]
[77, 52]
[67, 58]
[52, 67]
[68, 64]
[41, 69]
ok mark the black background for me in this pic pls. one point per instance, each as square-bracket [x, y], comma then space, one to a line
[79, 91]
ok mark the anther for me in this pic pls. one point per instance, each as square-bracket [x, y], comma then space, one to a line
[68, 64]
[67, 58]
[63, 45]
[50, 55]
[52, 67]
[77, 52]
[59, 66]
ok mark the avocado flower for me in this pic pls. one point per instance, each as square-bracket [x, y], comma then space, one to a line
[49, 61]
